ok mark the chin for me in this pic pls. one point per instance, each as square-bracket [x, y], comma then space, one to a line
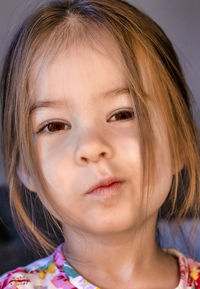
[114, 225]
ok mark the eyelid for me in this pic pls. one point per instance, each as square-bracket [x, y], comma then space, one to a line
[46, 123]
[128, 109]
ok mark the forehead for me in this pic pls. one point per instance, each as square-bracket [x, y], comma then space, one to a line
[90, 67]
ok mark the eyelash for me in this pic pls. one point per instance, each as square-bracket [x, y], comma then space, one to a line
[57, 124]
[124, 111]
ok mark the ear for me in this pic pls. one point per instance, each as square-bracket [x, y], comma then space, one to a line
[25, 179]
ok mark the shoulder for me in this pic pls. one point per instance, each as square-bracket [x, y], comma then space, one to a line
[31, 276]
[189, 270]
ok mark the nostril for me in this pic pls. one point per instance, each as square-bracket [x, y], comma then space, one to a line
[92, 151]
[93, 158]
[84, 159]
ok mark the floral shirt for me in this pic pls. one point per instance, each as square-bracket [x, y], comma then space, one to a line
[54, 272]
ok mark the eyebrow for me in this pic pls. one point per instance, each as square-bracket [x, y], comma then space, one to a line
[57, 103]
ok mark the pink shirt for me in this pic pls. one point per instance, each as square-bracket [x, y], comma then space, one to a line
[55, 272]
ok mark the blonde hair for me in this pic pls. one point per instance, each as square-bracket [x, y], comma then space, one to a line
[142, 43]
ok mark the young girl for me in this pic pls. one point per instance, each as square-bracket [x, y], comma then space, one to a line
[97, 124]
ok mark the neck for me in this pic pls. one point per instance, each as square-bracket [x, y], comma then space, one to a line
[120, 257]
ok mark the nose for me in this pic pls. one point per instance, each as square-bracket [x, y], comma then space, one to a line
[92, 148]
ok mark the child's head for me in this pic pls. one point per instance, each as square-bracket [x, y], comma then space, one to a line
[60, 130]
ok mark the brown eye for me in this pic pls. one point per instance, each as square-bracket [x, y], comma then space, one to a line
[55, 126]
[123, 115]
[52, 127]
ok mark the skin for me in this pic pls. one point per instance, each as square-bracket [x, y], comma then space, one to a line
[91, 144]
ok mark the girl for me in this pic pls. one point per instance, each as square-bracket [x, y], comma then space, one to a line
[97, 124]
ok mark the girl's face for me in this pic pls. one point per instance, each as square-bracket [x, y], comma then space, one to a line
[86, 131]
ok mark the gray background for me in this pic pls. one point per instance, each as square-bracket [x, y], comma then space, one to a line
[180, 19]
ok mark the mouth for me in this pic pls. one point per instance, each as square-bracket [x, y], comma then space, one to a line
[106, 188]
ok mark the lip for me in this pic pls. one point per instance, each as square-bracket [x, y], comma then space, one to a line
[108, 183]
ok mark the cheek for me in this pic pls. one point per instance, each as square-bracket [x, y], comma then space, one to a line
[163, 175]
[55, 160]
[164, 172]
[131, 162]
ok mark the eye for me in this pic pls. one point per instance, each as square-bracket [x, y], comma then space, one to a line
[122, 115]
[53, 126]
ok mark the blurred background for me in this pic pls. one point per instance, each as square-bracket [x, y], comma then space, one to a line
[180, 19]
